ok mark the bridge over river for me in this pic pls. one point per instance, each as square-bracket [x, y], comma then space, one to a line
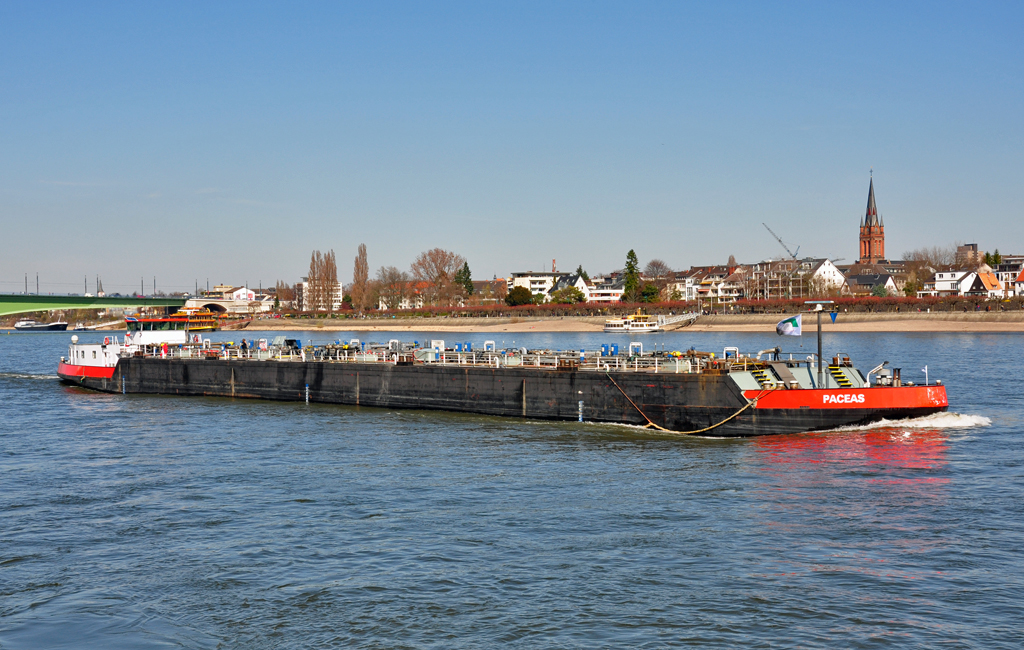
[19, 303]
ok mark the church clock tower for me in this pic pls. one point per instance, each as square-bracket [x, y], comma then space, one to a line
[872, 231]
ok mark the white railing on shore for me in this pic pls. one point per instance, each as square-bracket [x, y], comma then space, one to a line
[672, 320]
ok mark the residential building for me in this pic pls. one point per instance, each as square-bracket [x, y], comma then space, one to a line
[305, 290]
[1007, 271]
[570, 280]
[607, 289]
[227, 299]
[714, 285]
[948, 283]
[821, 276]
[968, 256]
[539, 284]
[412, 296]
[487, 292]
[985, 285]
[774, 279]
[868, 284]
[684, 284]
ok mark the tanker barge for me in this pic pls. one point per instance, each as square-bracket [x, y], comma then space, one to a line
[731, 395]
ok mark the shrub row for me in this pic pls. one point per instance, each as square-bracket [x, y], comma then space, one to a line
[867, 304]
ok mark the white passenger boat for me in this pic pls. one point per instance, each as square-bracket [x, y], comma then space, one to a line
[633, 323]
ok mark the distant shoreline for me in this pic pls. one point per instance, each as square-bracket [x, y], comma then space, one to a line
[979, 322]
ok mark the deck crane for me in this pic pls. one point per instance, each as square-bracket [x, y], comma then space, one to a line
[782, 243]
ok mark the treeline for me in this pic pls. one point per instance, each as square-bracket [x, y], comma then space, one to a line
[437, 277]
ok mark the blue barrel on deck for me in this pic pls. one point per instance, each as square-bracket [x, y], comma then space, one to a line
[604, 349]
[615, 349]
[458, 347]
[469, 346]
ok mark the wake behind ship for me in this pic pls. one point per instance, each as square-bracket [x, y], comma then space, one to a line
[682, 392]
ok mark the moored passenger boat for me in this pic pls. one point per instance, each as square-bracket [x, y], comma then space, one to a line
[633, 323]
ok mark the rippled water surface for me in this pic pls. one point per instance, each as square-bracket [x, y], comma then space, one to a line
[141, 522]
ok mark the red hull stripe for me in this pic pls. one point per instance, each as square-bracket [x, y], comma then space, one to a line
[908, 397]
[77, 372]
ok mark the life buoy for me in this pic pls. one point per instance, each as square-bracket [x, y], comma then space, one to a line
[106, 340]
[196, 338]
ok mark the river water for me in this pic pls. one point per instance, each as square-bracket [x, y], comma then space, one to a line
[153, 522]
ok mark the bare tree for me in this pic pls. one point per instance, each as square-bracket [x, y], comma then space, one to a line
[437, 267]
[311, 294]
[392, 286]
[732, 261]
[330, 281]
[657, 269]
[658, 273]
[322, 282]
[284, 292]
[938, 257]
[360, 280]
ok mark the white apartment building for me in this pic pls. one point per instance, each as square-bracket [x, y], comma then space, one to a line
[303, 297]
[539, 284]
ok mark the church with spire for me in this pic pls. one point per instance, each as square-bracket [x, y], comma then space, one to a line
[872, 232]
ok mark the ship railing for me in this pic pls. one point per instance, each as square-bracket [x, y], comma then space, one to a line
[591, 361]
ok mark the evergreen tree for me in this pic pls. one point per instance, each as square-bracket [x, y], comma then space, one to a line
[631, 288]
[650, 292]
[518, 296]
[583, 274]
[464, 278]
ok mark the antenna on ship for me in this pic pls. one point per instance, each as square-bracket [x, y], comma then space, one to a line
[818, 308]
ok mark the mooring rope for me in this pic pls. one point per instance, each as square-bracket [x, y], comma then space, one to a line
[650, 424]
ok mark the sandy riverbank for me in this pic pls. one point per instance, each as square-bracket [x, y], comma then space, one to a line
[859, 322]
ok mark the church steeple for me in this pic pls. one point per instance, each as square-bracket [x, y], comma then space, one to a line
[871, 216]
[872, 230]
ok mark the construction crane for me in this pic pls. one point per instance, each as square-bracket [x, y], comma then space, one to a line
[782, 243]
[786, 277]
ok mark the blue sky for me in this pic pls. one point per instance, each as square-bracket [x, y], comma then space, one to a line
[226, 141]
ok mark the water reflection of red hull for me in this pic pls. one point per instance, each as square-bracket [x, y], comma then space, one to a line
[892, 452]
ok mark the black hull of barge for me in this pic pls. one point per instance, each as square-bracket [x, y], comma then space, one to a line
[679, 402]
